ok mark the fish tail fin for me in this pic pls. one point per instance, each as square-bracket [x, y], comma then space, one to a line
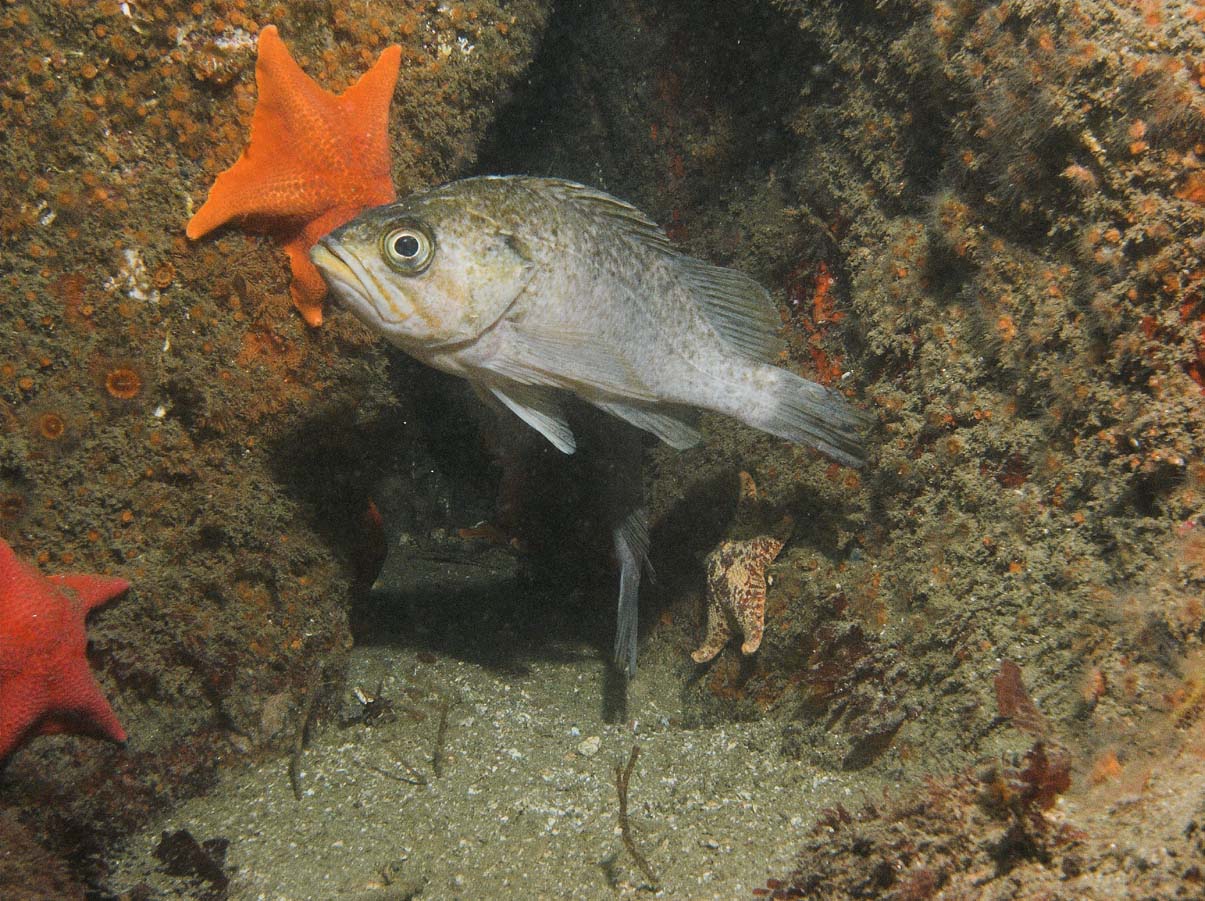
[807, 413]
[631, 547]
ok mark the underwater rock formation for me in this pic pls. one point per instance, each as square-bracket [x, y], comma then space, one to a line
[990, 216]
[166, 415]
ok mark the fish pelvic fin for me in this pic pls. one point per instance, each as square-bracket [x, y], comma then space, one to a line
[631, 539]
[540, 409]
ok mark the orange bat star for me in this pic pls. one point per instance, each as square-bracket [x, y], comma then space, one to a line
[315, 160]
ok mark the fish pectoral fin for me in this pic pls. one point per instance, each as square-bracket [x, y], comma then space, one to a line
[660, 421]
[539, 408]
[566, 359]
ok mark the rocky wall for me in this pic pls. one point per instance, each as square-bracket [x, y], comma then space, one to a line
[982, 221]
[167, 416]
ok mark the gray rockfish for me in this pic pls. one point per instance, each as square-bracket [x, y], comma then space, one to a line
[533, 287]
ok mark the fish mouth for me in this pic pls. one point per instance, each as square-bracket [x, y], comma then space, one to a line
[351, 284]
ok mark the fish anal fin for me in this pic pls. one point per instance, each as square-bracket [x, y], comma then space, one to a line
[660, 421]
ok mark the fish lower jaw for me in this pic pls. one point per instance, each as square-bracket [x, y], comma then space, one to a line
[346, 288]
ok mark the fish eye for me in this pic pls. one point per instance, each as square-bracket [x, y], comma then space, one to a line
[408, 249]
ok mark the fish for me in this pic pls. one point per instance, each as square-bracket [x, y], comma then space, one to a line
[539, 290]
[536, 288]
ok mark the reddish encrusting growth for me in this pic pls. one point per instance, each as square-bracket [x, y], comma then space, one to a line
[811, 288]
[371, 550]
[1192, 315]
[1013, 701]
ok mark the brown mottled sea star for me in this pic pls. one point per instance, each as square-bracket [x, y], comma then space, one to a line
[736, 584]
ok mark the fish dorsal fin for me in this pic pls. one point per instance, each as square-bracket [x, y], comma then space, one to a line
[632, 223]
[737, 307]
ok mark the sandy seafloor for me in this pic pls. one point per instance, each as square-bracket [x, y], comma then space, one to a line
[525, 807]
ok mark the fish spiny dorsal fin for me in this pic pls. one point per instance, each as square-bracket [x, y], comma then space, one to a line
[629, 221]
[737, 307]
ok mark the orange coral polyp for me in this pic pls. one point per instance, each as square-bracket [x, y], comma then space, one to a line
[51, 426]
[12, 506]
[123, 383]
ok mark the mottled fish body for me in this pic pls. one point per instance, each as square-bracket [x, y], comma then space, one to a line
[532, 287]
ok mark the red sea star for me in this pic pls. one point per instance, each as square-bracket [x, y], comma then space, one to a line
[314, 161]
[45, 683]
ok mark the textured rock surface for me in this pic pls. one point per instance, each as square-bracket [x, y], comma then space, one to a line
[166, 415]
[989, 214]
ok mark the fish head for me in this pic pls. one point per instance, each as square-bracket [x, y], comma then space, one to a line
[426, 271]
